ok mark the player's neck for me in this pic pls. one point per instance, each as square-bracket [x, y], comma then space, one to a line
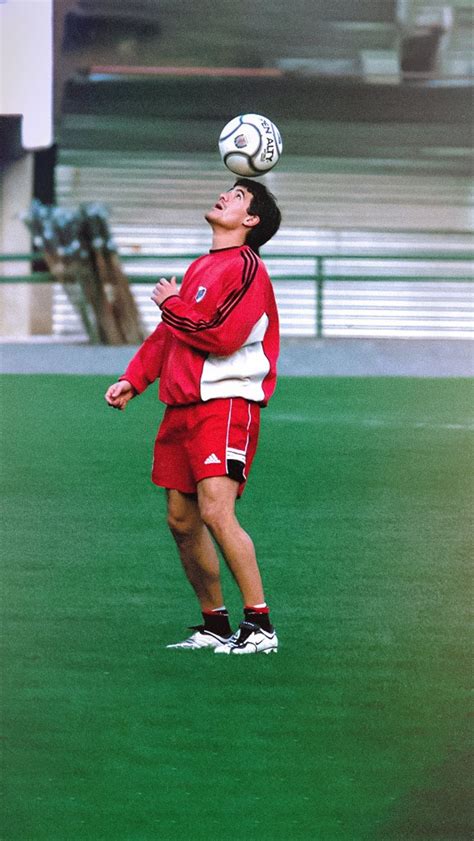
[226, 239]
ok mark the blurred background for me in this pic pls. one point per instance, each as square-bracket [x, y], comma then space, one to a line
[374, 102]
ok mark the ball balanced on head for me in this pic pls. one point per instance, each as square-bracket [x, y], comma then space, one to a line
[250, 145]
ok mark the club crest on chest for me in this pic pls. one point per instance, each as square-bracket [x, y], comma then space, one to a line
[200, 294]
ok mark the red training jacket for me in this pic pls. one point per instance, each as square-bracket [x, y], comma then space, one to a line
[218, 338]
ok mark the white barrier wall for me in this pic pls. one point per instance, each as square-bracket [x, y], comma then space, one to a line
[26, 67]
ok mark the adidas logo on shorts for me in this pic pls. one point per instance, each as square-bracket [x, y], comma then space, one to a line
[212, 459]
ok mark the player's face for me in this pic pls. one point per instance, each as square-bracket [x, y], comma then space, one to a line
[231, 209]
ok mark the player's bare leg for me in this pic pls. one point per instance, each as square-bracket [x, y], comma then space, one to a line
[201, 565]
[216, 498]
[196, 549]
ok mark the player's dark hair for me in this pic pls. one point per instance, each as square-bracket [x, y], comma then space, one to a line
[264, 205]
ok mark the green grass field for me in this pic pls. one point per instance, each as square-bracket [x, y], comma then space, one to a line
[360, 507]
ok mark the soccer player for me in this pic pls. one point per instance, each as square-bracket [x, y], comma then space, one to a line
[215, 354]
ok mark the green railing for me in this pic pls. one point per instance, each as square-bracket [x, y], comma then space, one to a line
[316, 273]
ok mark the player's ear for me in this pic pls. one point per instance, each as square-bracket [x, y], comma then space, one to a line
[250, 221]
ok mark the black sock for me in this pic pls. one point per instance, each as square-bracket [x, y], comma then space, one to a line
[217, 621]
[260, 618]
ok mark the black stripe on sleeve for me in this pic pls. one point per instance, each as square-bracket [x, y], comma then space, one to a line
[187, 325]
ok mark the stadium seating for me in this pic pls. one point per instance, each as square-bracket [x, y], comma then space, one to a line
[157, 204]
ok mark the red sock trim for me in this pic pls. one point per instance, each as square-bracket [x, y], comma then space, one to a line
[218, 612]
[257, 609]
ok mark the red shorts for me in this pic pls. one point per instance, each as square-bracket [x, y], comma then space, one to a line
[215, 438]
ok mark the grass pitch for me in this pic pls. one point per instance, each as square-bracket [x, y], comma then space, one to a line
[360, 505]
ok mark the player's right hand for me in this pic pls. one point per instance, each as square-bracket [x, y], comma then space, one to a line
[118, 394]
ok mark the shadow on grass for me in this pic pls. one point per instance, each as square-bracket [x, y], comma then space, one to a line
[439, 810]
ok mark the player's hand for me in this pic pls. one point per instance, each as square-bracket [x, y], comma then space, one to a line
[118, 394]
[164, 289]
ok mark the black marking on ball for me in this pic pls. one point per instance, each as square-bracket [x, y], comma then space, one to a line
[231, 132]
[242, 155]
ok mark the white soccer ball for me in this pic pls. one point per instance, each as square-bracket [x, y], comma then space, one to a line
[250, 145]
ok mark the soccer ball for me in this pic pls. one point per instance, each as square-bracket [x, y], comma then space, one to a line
[250, 145]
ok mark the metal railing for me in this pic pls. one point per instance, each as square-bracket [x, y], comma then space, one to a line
[322, 270]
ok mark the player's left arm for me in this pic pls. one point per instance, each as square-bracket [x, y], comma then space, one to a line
[221, 332]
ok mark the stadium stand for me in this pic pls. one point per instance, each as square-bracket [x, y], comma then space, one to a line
[157, 204]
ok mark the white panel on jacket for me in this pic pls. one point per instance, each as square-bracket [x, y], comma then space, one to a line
[242, 373]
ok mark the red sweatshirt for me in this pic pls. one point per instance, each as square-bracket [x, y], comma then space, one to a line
[218, 338]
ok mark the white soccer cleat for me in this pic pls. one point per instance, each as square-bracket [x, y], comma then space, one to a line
[249, 639]
[201, 639]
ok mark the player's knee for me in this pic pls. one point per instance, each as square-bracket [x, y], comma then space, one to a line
[213, 514]
[181, 526]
